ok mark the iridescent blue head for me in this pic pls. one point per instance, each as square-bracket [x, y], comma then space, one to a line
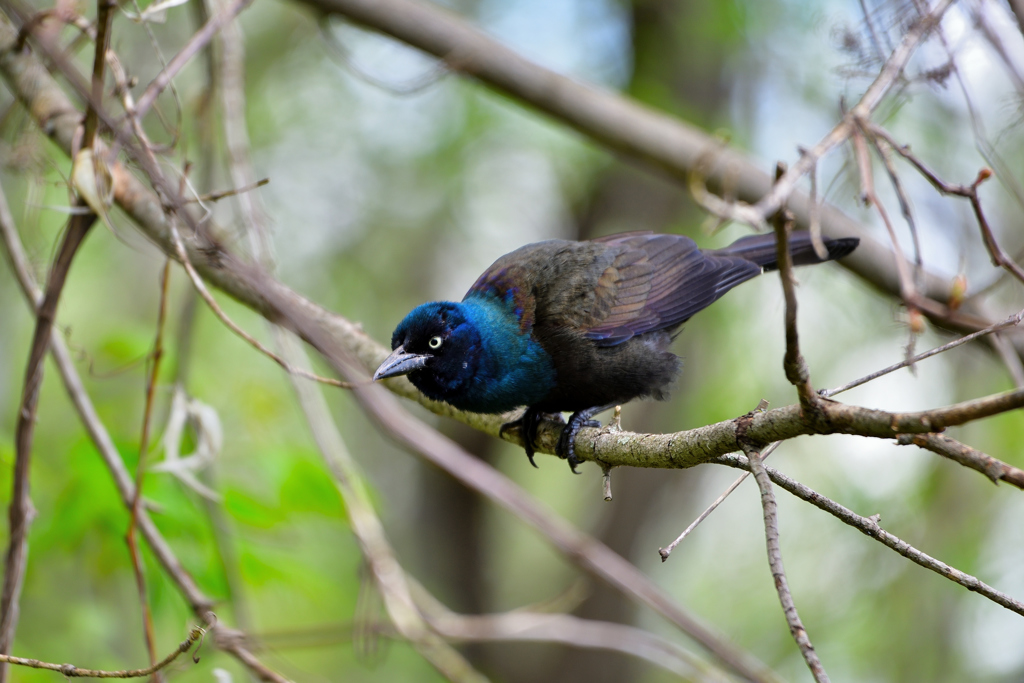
[472, 355]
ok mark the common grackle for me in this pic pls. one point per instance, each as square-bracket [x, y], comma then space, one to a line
[575, 326]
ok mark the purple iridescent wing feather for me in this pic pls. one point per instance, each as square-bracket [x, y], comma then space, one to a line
[657, 282]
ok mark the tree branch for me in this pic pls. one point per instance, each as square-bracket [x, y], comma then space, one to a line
[72, 671]
[771, 533]
[870, 527]
[20, 512]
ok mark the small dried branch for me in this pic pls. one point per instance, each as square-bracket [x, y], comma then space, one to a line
[887, 77]
[667, 551]
[104, 18]
[194, 45]
[999, 257]
[20, 511]
[223, 194]
[943, 445]
[870, 527]
[771, 533]
[72, 671]
[200, 287]
[230, 66]
[793, 363]
[884, 153]
[908, 291]
[566, 629]
[140, 470]
[1012, 321]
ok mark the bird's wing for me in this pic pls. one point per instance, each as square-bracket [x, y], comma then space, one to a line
[511, 279]
[656, 282]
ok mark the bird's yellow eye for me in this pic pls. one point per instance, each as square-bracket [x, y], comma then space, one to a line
[434, 343]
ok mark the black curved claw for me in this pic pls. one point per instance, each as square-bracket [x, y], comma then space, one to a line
[566, 447]
[527, 423]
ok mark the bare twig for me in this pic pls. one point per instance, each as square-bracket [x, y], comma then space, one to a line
[140, 469]
[943, 445]
[793, 363]
[908, 291]
[72, 671]
[103, 20]
[999, 257]
[667, 550]
[197, 282]
[771, 533]
[532, 626]
[20, 512]
[871, 528]
[222, 194]
[195, 44]
[887, 77]
[1012, 321]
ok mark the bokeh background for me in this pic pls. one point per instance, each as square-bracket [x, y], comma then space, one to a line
[392, 184]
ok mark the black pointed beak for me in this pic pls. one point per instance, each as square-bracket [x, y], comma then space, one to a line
[400, 363]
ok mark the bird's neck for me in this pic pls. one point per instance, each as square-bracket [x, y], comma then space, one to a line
[512, 368]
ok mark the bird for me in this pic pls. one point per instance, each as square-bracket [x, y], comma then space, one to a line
[576, 326]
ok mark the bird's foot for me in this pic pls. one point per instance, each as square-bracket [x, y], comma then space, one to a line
[527, 425]
[566, 447]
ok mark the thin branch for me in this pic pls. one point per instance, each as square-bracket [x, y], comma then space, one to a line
[200, 287]
[994, 469]
[793, 362]
[870, 527]
[72, 671]
[369, 531]
[1012, 321]
[667, 551]
[140, 468]
[999, 257]
[530, 625]
[771, 533]
[887, 77]
[908, 290]
[194, 45]
[223, 194]
[104, 18]
[21, 512]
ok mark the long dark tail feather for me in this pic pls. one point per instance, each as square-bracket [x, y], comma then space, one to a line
[760, 249]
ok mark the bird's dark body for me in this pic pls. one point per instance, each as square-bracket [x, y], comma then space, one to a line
[571, 326]
[569, 298]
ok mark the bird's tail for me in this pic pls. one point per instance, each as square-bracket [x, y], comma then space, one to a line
[760, 249]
